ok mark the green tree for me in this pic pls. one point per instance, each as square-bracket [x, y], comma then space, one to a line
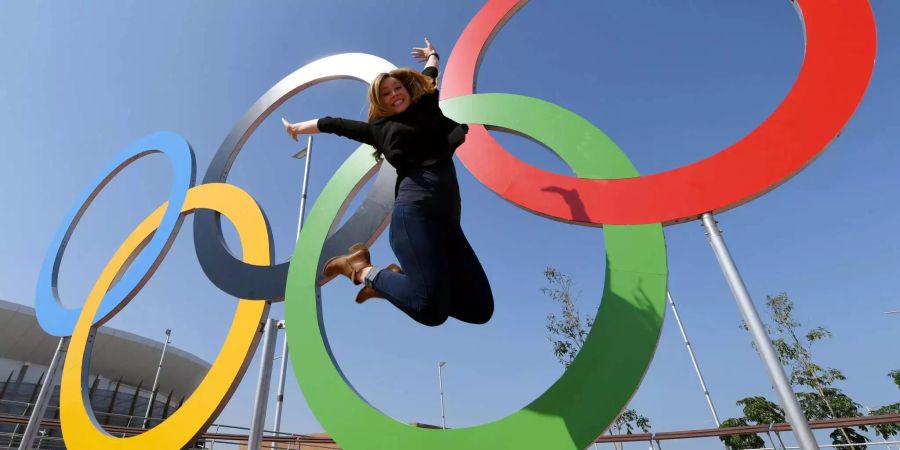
[835, 403]
[567, 333]
[568, 330]
[761, 411]
[889, 430]
[794, 347]
[740, 441]
[757, 411]
[631, 420]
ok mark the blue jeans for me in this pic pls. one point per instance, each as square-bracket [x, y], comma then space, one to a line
[442, 275]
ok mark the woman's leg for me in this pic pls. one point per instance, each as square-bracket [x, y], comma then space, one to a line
[420, 243]
[472, 299]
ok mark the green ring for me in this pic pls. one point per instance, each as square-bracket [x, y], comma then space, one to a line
[593, 390]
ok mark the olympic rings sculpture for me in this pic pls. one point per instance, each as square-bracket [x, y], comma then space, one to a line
[607, 190]
[837, 65]
[601, 379]
[79, 426]
[52, 316]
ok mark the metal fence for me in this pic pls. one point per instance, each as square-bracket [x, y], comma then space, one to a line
[233, 437]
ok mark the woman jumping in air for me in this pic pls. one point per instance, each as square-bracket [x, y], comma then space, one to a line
[441, 276]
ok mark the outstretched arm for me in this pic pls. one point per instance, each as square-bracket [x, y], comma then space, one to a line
[353, 129]
[307, 127]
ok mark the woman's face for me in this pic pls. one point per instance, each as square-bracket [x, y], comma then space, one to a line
[394, 96]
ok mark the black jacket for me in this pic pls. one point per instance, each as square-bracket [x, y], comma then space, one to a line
[419, 137]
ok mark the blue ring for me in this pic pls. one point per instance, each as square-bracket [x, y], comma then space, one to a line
[53, 317]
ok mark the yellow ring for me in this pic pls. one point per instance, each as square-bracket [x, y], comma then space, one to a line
[79, 426]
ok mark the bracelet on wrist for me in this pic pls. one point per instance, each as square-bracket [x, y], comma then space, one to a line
[435, 54]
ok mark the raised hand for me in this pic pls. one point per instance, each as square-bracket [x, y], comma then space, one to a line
[422, 53]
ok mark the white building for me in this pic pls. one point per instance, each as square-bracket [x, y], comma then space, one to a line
[122, 369]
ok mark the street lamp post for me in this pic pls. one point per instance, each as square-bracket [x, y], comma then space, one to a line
[279, 398]
[304, 153]
[146, 422]
[441, 387]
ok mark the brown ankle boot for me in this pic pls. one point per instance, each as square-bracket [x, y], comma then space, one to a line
[350, 264]
[368, 292]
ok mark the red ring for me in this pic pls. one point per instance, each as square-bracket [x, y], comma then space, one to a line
[840, 54]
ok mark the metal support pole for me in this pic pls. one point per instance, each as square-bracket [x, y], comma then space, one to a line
[279, 399]
[307, 152]
[687, 343]
[780, 441]
[212, 443]
[40, 406]
[764, 346]
[44, 433]
[616, 444]
[769, 433]
[441, 387]
[262, 386]
[155, 388]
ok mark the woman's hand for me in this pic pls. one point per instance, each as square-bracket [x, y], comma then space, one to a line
[290, 128]
[423, 53]
[293, 129]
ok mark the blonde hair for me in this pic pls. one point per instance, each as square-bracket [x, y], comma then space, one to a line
[415, 83]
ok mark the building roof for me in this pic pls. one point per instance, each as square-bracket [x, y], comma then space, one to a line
[117, 354]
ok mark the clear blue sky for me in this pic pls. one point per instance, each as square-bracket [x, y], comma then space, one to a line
[670, 82]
